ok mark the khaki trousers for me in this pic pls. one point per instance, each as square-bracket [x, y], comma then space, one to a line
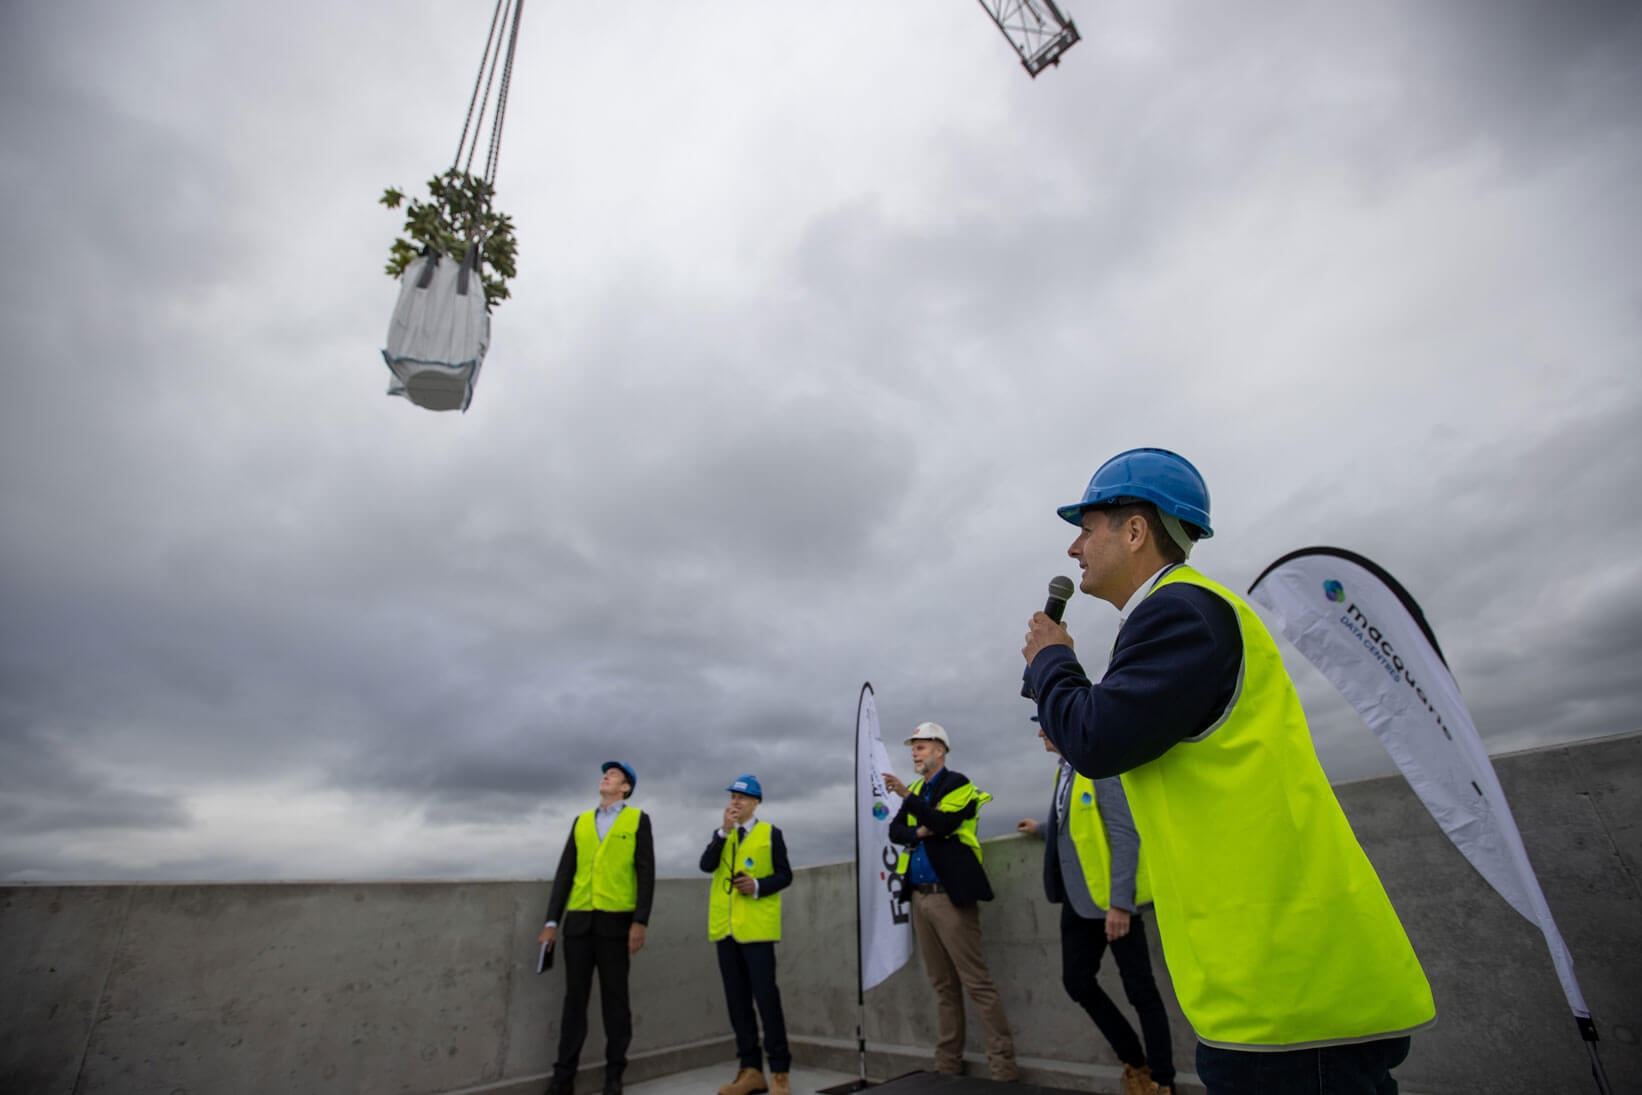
[950, 941]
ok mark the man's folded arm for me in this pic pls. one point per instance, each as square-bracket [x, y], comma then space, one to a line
[899, 831]
[943, 823]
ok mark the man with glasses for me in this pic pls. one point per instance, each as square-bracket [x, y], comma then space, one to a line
[941, 862]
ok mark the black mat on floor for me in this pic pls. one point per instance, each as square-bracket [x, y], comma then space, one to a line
[936, 1083]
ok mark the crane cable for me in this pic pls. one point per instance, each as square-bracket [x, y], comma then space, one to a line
[501, 97]
[489, 60]
[494, 57]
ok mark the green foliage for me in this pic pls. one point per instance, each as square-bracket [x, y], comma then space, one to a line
[457, 207]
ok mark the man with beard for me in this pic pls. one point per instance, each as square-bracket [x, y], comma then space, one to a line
[941, 862]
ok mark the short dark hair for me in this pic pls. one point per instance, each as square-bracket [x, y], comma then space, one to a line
[1166, 547]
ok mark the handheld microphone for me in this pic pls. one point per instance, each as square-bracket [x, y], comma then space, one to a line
[1060, 591]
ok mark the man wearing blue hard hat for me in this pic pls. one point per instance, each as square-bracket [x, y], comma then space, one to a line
[748, 862]
[602, 892]
[1285, 952]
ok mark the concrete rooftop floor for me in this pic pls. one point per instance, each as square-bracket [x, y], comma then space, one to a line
[707, 1081]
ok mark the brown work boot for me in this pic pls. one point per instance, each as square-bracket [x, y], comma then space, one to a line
[748, 1081]
[1165, 1089]
[1138, 1081]
[779, 1084]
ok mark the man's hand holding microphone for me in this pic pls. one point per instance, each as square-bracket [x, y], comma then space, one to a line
[1045, 628]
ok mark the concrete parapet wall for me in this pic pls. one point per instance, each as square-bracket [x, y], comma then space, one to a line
[322, 987]
[431, 987]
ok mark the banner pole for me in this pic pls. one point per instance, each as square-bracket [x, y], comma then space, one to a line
[1587, 1031]
[855, 825]
[880, 916]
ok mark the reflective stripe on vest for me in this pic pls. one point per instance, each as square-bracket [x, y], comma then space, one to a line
[605, 877]
[953, 801]
[1088, 832]
[1276, 930]
[733, 913]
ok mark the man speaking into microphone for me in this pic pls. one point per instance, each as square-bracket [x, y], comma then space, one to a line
[1285, 952]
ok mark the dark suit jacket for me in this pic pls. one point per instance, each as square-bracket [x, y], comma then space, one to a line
[1174, 670]
[780, 876]
[1054, 885]
[588, 921]
[955, 862]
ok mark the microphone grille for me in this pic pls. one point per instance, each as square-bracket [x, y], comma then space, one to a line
[1061, 587]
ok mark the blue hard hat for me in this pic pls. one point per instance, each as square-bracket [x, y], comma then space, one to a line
[747, 785]
[1163, 478]
[627, 770]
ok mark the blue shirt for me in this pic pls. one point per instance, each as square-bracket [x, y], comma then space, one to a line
[605, 816]
[919, 872]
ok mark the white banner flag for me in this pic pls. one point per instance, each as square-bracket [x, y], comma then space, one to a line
[885, 915]
[1363, 631]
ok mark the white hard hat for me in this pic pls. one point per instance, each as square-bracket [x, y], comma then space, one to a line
[930, 731]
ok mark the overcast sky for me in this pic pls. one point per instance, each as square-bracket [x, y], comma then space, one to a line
[822, 308]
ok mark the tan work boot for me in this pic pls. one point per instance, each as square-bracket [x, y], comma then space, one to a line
[1138, 1081]
[749, 1081]
[779, 1084]
[1165, 1089]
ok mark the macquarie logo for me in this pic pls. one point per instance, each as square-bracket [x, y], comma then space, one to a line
[1334, 591]
[1372, 638]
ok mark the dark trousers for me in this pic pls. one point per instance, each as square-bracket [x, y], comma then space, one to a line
[748, 970]
[1360, 1069]
[582, 955]
[1082, 943]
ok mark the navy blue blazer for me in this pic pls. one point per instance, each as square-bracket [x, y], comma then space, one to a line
[1174, 670]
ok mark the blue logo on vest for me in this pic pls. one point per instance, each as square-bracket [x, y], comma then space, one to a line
[1334, 591]
[1087, 798]
[748, 862]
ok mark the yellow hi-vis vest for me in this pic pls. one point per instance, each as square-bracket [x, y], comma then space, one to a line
[1275, 928]
[1088, 832]
[605, 877]
[954, 800]
[733, 913]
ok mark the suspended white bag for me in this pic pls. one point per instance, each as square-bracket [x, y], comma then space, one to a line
[439, 333]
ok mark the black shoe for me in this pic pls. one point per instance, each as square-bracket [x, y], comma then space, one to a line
[612, 1085]
[561, 1085]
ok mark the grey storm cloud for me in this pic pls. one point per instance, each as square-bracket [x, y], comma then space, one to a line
[46, 791]
[784, 399]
